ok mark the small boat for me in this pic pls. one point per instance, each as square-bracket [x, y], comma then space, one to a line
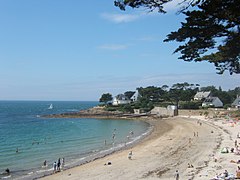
[51, 106]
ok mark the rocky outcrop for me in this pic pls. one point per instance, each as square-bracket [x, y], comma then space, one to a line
[95, 112]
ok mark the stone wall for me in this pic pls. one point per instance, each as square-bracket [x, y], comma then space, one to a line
[161, 111]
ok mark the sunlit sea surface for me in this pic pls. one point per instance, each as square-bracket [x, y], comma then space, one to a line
[38, 139]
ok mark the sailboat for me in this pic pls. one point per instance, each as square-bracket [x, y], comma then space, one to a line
[51, 106]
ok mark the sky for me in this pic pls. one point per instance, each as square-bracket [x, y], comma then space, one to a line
[77, 50]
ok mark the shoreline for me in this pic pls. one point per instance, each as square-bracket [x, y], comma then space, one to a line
[167, 149]
[95, 155]
[152, 132]
[161, 132]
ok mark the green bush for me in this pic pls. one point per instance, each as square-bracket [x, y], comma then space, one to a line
[190, 105]
[164, 104]
[226, 106]
[110, 108]
[125, 108]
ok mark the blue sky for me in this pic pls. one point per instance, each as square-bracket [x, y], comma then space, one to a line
[78, 50]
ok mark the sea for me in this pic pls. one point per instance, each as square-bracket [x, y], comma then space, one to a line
[27, 139]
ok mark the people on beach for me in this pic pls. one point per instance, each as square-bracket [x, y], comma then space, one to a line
[108, 163]
[215, 159]
[190, 165]
[58, 164]
[225, 173]
[195, 134]
[54, 167]
[130, 155]
[176, 175]
[63, 163]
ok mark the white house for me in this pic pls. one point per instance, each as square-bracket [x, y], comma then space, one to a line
[202, 95]
[120, 99]
[212, 101]
[236, 102]
[135, 96]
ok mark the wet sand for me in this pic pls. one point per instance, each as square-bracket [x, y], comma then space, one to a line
[170, 147]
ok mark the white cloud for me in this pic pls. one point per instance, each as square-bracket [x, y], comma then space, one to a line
[176, 5]
[120, 18]
[172, 5]
[113, 47]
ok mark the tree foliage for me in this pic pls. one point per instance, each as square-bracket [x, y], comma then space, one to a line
[151, 93]
[211, 31]
[106, 97]
[149, 96]
[182, 92]
[129, 94]
[179, 94]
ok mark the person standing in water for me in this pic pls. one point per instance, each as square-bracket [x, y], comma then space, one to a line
[63, 163]
[54, 167]
[58, 164]
[45, 163]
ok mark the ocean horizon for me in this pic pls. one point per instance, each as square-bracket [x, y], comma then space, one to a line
[27, 139]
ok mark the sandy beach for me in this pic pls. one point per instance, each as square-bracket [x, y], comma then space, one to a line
[174, 144]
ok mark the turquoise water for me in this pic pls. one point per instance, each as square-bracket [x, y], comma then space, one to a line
[38, 139]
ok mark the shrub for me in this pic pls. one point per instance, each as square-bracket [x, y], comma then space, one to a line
[110, 108]
[190, 105]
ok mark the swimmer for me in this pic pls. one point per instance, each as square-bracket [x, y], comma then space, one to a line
[7, 171]
[45, 163]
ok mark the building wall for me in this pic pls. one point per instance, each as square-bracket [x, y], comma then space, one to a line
[161, 111]
[119, 102]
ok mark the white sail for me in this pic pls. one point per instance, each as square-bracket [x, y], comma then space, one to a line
[51, 106]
